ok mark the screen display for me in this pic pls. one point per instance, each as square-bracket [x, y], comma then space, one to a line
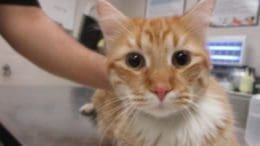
[225, 52]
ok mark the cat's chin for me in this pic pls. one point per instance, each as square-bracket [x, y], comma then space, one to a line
[160, 112]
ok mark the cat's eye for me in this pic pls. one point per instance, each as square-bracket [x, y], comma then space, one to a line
[135, 60]
[181, 58]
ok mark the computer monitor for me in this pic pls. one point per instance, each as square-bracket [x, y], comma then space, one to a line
[227, 50]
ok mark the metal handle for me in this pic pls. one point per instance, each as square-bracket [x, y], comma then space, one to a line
[7, 72]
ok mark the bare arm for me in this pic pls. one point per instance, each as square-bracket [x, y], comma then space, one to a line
[44, 43]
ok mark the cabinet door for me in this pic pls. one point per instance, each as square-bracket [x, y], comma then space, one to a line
[240, 104]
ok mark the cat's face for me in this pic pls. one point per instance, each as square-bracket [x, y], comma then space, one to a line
[157, 66]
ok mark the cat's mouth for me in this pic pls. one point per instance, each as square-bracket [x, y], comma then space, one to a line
[160, 110]
[171, 106]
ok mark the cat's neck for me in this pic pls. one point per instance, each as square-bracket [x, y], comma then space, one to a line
[183, 128]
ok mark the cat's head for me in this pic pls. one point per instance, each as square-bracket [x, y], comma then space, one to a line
[158, 66]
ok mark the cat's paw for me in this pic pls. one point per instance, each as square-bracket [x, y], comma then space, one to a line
[87, 109]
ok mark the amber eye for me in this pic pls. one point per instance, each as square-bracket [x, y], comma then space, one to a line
[181, 58]
[135, 60]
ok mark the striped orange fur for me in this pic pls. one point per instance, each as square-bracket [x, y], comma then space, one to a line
[193, 112]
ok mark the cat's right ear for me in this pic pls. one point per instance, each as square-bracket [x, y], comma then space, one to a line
[198, 18]
[111, 20]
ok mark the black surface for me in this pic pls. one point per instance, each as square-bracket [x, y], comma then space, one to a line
[7, 138]
[90, 33]
[21, 2]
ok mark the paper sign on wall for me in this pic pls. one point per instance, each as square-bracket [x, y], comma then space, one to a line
[62, 11]
[236, 13]
[90, 8]
[156, 8]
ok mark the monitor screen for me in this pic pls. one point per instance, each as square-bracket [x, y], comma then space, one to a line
[226, 50]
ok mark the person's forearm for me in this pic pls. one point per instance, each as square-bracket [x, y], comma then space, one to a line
[40, 40]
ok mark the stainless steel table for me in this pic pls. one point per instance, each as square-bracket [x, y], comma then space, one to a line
[47, 116]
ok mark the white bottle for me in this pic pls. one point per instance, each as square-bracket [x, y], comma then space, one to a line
[252, 135]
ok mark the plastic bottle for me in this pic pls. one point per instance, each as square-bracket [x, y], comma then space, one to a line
[247, 81]
[252, 135]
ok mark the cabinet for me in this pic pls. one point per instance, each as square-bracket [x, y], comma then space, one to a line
[240, 104]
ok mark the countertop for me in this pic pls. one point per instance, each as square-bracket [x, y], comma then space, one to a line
[48, 116]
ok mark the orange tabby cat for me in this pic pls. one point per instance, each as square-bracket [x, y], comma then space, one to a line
[163, 94]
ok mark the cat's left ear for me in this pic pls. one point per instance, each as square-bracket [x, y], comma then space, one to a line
[111, 20]
[198, 18]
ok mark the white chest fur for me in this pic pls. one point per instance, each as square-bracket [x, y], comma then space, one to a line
[188, 130]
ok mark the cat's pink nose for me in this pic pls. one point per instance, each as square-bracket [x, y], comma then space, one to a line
[161, 90]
